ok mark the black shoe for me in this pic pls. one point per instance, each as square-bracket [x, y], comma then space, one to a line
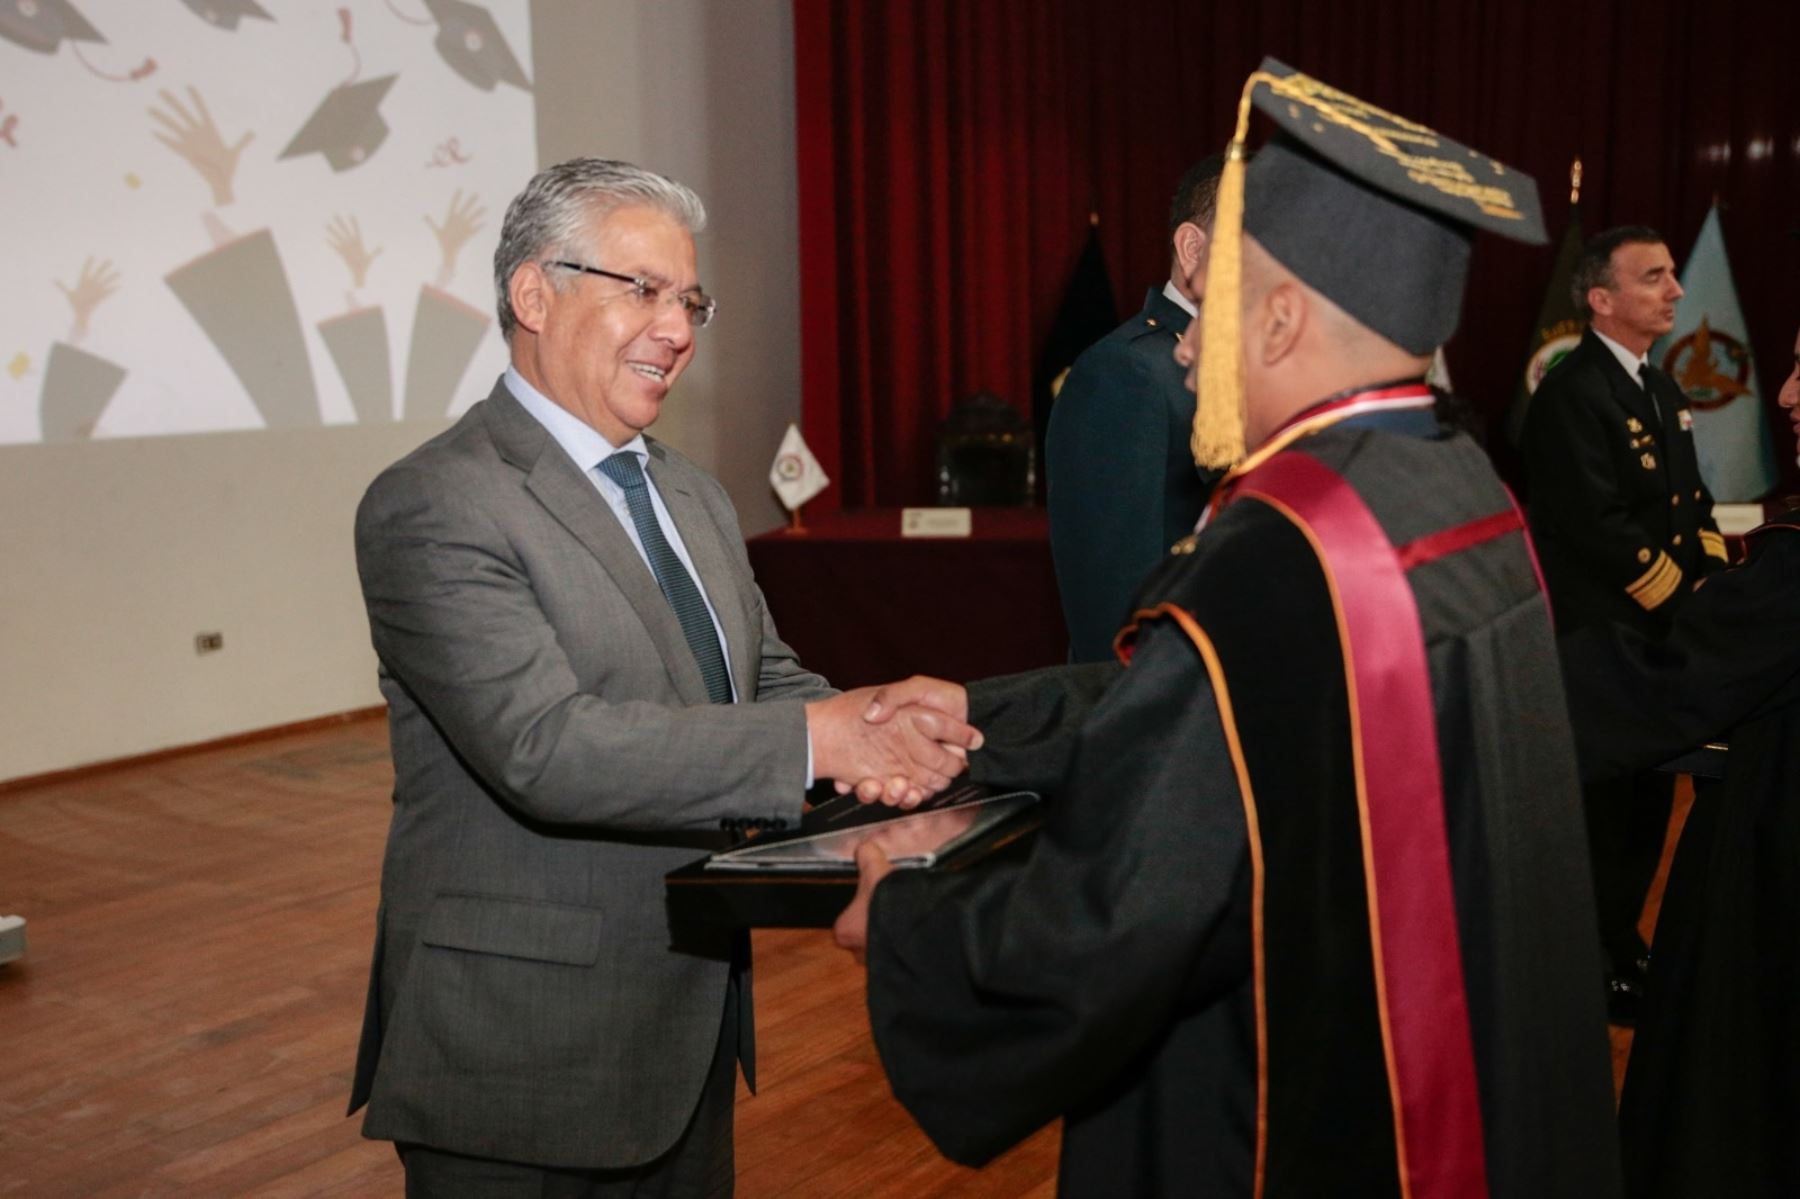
[1624, 1000]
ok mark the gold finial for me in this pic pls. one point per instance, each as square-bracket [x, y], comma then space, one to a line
[1575, 180]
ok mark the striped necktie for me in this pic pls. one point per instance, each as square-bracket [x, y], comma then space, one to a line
[677, 584]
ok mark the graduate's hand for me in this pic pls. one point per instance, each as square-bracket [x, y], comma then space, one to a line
[852, 928]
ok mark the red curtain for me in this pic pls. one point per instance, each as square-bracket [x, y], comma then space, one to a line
[950, 152]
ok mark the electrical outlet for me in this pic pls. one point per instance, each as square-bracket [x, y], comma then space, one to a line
[206, 643]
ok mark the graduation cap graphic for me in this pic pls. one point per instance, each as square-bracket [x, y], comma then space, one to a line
[43, 25]
[227, 13]
[346, 127]
[472, 44]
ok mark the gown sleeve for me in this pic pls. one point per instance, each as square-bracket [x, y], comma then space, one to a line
[1001, 997]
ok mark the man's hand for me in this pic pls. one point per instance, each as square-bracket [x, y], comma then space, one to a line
[919, 691]
[949, 698]
[911, 752]
[852, 928]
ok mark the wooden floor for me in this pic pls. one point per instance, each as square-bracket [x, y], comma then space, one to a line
[185, 1019]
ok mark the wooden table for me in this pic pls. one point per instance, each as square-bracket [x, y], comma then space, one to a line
[862, 604]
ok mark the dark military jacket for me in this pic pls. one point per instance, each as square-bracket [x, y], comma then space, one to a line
[1122, 482]
[1622, 521]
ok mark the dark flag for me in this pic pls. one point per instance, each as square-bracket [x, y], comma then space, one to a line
[1559, 323]
[1087, 313]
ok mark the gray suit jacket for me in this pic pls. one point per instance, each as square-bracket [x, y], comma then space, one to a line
[555, 755]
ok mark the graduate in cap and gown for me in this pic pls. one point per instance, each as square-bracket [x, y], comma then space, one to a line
[1310, 913]
[1711, 1104]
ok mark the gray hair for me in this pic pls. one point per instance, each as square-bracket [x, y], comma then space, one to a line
[550, 217]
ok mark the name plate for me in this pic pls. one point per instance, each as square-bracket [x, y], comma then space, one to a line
[936, 522]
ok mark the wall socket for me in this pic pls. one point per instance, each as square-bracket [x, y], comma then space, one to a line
[206, 643]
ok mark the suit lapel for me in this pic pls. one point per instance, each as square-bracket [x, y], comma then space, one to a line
[712, 563]
[572, 499]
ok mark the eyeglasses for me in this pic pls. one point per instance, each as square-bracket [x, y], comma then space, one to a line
[697, 304]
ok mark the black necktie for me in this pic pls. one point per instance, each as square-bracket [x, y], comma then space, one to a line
[1644, 377]
[677, 584]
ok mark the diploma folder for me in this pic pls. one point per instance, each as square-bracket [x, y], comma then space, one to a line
[803, 879]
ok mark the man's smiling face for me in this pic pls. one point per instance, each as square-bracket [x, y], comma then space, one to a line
[603, 353]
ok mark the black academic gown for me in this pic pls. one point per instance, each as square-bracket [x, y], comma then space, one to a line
[1111, 976]
[1712, 1093]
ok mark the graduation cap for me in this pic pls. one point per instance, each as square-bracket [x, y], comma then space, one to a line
[1373, 211]
[227, 13]
[44, 24]
[472, 44]
[346, 127]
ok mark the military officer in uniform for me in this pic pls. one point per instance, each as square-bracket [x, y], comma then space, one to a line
[1123, 485]
[1624, 529]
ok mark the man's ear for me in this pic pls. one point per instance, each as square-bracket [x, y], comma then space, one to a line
[1600, 300]
[1191, 246]
[1280, 320]
[529, 291]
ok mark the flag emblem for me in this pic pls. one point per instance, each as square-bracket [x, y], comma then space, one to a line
[795, 474]
[1712, 367]
[1558, 341]
[1708, 354]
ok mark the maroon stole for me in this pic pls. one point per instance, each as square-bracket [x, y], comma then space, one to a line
[1423, 1009]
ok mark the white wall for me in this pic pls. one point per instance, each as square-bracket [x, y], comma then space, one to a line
[113, 554]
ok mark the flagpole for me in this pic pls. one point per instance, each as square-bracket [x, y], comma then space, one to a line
[795, 527]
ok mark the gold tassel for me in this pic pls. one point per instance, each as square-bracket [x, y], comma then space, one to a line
[1218, 439]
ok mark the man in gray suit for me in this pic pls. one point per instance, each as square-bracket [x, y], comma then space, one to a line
[584, 687]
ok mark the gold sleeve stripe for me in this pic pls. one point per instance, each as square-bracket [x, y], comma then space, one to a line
[1714, 545]
[1654, 587]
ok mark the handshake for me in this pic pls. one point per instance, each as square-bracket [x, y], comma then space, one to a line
[897, 743]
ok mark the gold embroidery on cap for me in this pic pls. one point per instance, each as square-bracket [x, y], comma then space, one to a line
[1447, 175]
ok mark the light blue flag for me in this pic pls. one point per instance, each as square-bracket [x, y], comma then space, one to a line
[1708, 354]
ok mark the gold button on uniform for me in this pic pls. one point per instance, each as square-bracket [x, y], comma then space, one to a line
[1675, 501]
[1675, 540]
[1643, 556]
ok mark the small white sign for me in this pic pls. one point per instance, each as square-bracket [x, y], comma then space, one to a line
[1734, 520]
[935, 522]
